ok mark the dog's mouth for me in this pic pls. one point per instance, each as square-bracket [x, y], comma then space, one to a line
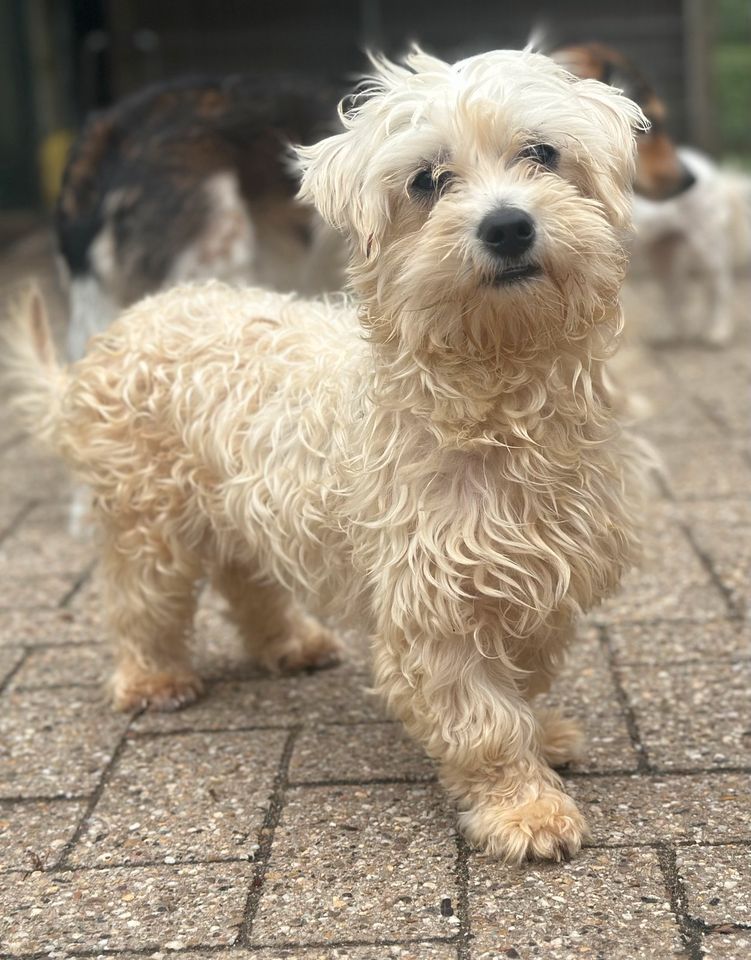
[515, 274]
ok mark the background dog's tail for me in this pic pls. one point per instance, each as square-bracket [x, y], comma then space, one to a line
[29, 368]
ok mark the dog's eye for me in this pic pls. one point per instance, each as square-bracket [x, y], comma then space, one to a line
[425, 184]
[541, 153]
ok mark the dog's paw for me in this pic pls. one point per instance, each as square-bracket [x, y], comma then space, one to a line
[310, 646]
[562, 740]
[548, 827]
[162, 691]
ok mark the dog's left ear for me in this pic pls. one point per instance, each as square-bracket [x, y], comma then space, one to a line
[611, 172]
[334, 179]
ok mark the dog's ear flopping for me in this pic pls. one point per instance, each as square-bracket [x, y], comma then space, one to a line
[614, 158]
[334, 179]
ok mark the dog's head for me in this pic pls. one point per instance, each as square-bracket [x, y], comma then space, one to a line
[485, 199]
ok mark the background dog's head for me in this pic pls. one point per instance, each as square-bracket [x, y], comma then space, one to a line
[484, 198]
[660, 172]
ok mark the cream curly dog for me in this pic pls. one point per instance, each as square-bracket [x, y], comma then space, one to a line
[438, 460]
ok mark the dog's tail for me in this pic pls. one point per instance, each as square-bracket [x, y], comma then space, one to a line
[29, 367]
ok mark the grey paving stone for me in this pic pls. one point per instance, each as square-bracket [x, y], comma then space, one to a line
[729, 551]
[10, 435]
[81, 665]
[359, 863]
[218, 649]
[706, 469]
[33, 834]
[364, 752]
[11, 508]
[731, 512]
[585, 691]
[424, 950]
[675, 420]
[727, 946]
[606, 903]
[679, 642]
[184, 797]
[10, 657]
[328, 696]
[55, 741]
[711, 808]
[53, 518]
[51, 479]
[412, 951]
[37, 591]
[34, 550]
[356, 654]
[146, 908]
[718, 883]
[43, 626]
[718, 383]
[670, 582]
[664, 411]
[691, 364]
[693, 715]
[219, 654]
[88, 598]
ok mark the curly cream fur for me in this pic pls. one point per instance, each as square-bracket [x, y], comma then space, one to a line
[437, 461]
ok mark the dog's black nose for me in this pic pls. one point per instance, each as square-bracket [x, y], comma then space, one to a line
[507, 232]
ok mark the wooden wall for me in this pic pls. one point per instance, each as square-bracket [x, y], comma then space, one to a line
[157, 38]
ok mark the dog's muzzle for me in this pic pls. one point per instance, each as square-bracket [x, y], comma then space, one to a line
[507, 232]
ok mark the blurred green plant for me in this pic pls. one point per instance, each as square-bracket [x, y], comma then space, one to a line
[734, 21]
[732, 78]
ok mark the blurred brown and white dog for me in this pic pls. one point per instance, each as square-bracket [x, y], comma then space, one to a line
[437, 460]
[660, 173]
[691, 218]
[694, 244]
[190, 180]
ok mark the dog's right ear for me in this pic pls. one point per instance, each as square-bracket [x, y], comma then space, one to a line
[334, 180]
[325, 180]
[337, 179]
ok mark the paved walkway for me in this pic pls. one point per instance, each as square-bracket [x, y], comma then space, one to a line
[286, 818]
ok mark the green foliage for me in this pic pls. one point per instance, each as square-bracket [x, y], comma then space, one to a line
[733, 21]
[732, 76]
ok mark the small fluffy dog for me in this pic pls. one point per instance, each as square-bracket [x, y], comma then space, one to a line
[438, 460]
[189, 180]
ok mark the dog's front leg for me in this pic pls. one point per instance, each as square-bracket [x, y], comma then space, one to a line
[473, 719]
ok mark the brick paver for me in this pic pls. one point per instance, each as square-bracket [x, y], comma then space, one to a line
[286, 818]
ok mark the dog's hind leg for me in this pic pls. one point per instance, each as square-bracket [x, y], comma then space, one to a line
[561, 738]
[276, 633]
[150, 597]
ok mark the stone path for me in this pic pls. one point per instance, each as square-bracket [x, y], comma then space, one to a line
[287, 818]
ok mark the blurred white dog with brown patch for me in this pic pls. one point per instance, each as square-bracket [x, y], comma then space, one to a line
[692, 243]
[437, 460]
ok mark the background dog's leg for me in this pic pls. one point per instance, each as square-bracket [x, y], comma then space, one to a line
[668, 259]
[276, 633]
[150, 600]
[718, 282]
[474, 720]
